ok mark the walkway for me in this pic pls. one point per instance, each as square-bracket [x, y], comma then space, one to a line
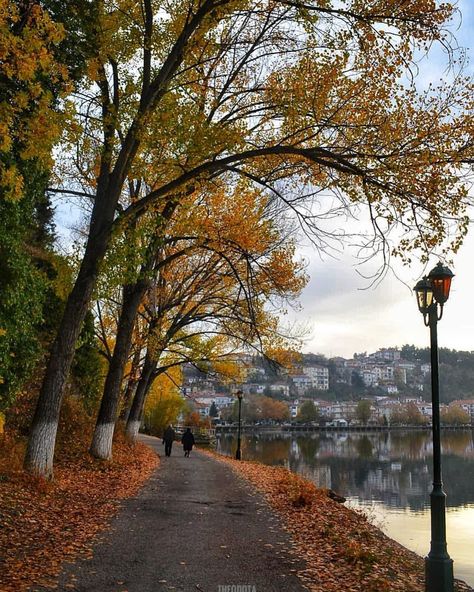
[195, 526]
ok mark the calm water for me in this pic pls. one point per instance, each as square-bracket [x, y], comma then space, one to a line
[386, 474]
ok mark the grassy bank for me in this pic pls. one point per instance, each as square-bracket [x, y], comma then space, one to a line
[343, 550]
[43, 524]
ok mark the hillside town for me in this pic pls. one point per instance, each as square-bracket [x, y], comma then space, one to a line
[381, 388]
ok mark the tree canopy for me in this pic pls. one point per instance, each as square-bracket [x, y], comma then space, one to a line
[315, 104]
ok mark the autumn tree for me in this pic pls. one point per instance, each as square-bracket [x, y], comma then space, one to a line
[273, 410]
[455, 415]
[413, 415]
[219, 251]
[44, 48]
[194, 419]
[308, 412]
[27, 40]
[260, 408]
[164, 403]
[408, 414]
[363, 411]
[305, 99]
[205, 307]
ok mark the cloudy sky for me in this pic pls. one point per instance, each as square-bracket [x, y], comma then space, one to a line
[344, 316]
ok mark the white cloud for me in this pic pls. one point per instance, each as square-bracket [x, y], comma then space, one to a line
[344, 318]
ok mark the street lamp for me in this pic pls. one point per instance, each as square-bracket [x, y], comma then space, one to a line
[432, 292]
[238, 453]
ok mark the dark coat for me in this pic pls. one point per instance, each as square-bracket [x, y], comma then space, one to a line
[187, 441]
[169, 435]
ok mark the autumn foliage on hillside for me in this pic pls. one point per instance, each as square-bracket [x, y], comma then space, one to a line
[343, 550]
[44, 523]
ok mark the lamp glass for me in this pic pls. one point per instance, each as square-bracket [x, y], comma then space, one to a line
[425, 299]
[440, 277]
[424, 295]
[441, 287]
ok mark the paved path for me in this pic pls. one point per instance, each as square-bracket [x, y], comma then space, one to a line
[195, 526]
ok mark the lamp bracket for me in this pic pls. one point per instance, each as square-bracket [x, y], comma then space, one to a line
[440, 314]
[433, 313]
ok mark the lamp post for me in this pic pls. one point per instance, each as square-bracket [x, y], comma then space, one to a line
[238, 453]
[432, 292]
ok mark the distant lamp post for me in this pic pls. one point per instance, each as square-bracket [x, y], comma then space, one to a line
[432, 292]
[238, 453]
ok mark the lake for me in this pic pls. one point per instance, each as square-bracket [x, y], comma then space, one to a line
[387, 474]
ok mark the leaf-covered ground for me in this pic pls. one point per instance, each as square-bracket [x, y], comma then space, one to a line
[44, 523]
[344, 552]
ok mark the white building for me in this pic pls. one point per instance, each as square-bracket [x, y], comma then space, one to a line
[409, 367]
[219, 400]
[387, 373]
[391, 354]
[369, 378]
[284, 389]
[253, 387]
[390, 389]
[425, 408]
[294, 408]
[319, 375]
[341, 410]
[425, 369]
[302, 383]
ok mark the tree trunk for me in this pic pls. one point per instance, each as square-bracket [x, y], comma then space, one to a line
[136, 410]
[131, 387]
[42, 438]
[101, 446]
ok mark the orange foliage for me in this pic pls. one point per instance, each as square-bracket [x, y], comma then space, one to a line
[27, 119]
[46, 523]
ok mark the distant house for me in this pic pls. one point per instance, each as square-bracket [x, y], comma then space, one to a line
[254, 388]
[202, 408]
[294, 408]
[467, 405]
[369, 377]
[302, 383]
[282, 388]
[391, 389]
[311, 377]
[425, 368]
[338, 423]
[219, 400]
[319, 376]
[256, 371]
[340, 410]
[425, 409]
[408, 366]
[390, 354]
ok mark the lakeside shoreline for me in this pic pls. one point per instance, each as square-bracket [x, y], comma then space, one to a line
[303, 428]
[338, 543]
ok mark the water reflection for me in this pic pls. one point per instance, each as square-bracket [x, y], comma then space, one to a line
[390, 472]
[393, 467]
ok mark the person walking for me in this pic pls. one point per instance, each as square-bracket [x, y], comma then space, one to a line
[188, 441]
[168, 439]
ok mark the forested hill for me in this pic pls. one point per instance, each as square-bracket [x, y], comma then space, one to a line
[456, 371]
